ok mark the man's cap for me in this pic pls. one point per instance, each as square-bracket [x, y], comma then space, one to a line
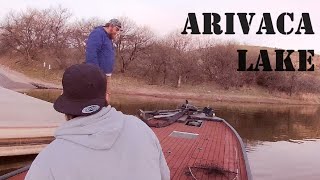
[116, 23]
[84, 91]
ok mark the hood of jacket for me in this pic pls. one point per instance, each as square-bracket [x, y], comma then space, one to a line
[98, 131]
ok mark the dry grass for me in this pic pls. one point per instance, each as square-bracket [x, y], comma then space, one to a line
[211, 93]
[123, 84]
[33, 70]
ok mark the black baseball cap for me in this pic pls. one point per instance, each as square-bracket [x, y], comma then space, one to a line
[84, 91]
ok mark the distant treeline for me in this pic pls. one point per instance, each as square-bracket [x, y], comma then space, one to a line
[53, 36]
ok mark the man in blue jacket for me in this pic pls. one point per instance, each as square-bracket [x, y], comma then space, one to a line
[100, 50]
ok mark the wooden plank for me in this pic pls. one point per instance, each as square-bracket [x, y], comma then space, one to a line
[208, 149]
[22, 111]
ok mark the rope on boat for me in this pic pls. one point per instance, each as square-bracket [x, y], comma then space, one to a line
[192, 173]
[237, 172]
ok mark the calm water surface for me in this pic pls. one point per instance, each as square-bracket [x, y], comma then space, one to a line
[283, 142]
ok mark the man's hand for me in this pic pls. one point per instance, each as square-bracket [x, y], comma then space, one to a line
[108, 83]
[108, 98]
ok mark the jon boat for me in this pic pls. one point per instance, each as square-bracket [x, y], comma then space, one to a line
[197, 145]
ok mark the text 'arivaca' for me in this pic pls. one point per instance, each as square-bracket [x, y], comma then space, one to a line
[211, 23]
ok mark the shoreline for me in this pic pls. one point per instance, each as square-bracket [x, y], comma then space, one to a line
[130, 86]
[250, 99]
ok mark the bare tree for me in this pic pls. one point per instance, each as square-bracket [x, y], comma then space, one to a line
[33, 32]
[78, 35]
[180, 63]
[20, 32]
[37, 35]
[220, 64]
[60, 33]
[131, 43]
[156, 64]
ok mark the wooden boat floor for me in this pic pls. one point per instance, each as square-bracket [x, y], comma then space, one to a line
[215, 146]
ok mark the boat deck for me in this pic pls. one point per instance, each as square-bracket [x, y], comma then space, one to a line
[215, 153]
[215, 146]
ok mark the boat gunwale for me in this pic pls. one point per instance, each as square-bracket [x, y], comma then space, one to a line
[15, 172]
[245, 157]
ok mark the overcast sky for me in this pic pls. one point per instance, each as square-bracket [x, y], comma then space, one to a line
[168, 15]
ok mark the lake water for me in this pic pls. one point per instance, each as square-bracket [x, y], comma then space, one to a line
[283, 142]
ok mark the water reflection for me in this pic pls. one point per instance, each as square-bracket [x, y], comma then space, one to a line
[255, 123]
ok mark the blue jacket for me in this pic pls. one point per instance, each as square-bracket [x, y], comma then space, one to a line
[100, 50]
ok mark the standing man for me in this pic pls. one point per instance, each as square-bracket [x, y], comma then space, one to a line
[100, 50]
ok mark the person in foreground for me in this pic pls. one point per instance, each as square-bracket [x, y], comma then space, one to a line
[97, 141]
